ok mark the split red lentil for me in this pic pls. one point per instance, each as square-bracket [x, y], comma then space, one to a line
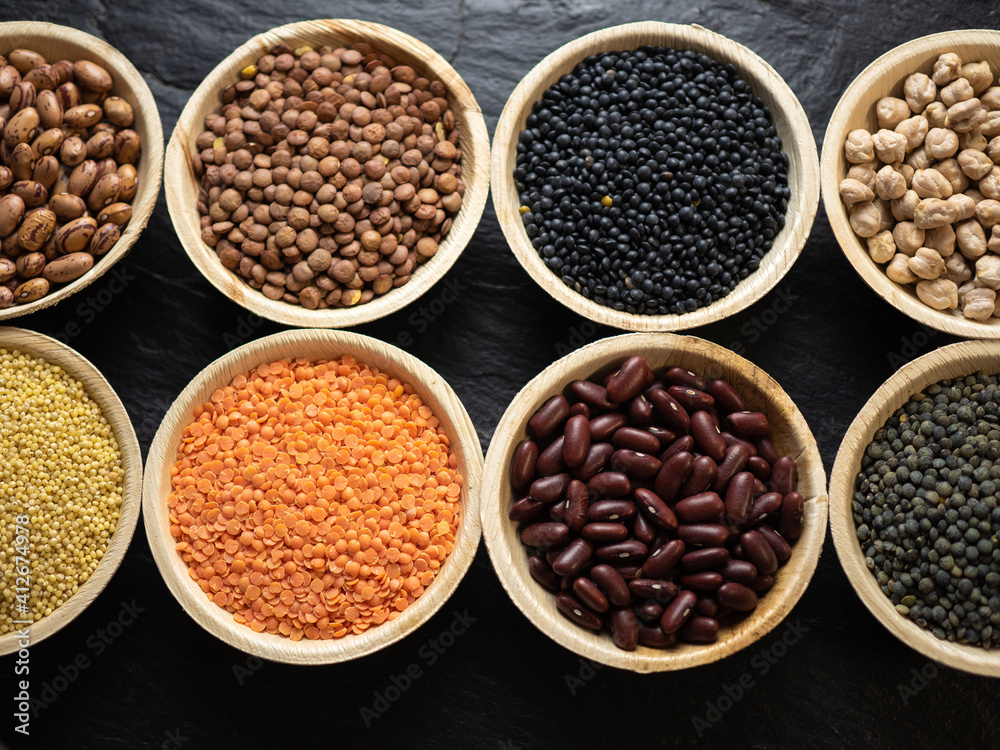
[314, 499]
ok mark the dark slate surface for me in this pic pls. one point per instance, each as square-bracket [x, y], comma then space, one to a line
[831, 676]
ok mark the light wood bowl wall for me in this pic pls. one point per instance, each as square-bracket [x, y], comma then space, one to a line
[182, 185]
[789, 432]
[789, 119]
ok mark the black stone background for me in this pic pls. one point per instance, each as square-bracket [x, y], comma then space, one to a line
[826, 338]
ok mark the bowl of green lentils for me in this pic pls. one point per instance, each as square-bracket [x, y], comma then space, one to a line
[915, 505]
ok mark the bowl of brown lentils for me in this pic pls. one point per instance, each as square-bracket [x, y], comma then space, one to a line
[911, 179]
[80, 162]
[321, 166]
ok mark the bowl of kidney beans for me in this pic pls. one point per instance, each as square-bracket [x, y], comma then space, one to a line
[654, 502]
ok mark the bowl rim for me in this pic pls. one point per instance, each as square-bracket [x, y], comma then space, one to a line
[600, 648]
[802, 206]
[475, 174]
[913, 377]
[144, 107]
[55, 352]
[850, 244]
[322, 343]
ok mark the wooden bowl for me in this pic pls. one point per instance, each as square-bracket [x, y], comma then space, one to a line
[856, 109]
[952, 361]
[314, 345]
[789, 432]
[62, 42]
[182, 185]
[789, 118]
[57, 353]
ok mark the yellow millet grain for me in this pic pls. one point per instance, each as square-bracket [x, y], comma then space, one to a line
[61, 466]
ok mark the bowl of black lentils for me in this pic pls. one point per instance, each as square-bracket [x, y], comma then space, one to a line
[655, 176]
[914, 505]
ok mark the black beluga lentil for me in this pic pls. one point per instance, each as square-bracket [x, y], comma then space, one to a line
[651, 180]
[925, 506]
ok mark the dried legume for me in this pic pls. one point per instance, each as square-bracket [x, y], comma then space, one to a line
[61, 466]
[314, 499]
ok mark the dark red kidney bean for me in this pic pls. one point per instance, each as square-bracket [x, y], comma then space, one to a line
[627, 571]
[550, 460]
[590, 594]
[737, 596]
[634, 464]
[782, 550]
[657, 511]
[666, 406]
[691, 399]
[557, 511]
[759, 488]
[650, 611]
[573, 559]
[759, 468]
[674, 472]
[765, 506]
[706, 436]
[784, 475]
[653, 588]
[709, 558]
[604, 532]
[580, 408]
[609, 484]
[553, 553]
[612, 584]
[643, 530]
[732, 464]
[739, 498]
[576, 612]
[597, 458]
[549, 489]
[766, 450]
[625, 628]
[618, 511]
[704, 534]
[525, 509]
[542, 572]
[602, 427]
[683, 444]
[682, 377]
[748, 424]
[662, 562]
[636, 440]
[705, 580]
[523, 465]
[699, 508]
[576, 437]
[739, 571]
[706, 607]
[726, 397]
[759, 552]
[793, 509]
[761, 584]
[678, 611]
[723, 613]
[549, 417]
[703, 473]
[545, 534]
[665, 436]
[590, 393]
[628, 381]
[731, 440]
[629, 552]
[736, 551]
[700, 630]
[577, 502]
[640, 412]
[653, 636]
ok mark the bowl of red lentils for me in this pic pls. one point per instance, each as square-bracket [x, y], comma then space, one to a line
[70, 485]
[328, 172]
[313, 496]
